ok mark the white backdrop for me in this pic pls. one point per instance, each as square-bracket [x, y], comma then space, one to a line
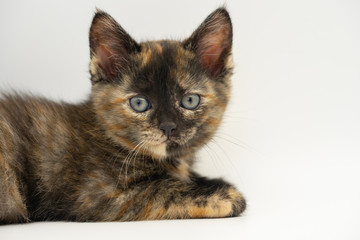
[290, 140]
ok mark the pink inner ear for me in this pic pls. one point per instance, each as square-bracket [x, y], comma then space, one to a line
[210, 56]
[211, 50]
[106, 60]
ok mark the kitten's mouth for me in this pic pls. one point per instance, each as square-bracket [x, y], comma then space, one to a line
[169, 141]
[171, 144]
[167, 146]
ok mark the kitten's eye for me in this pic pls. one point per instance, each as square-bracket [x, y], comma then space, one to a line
[190, 101]
[139, 104]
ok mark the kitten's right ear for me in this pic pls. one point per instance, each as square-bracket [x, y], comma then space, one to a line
[110, 48]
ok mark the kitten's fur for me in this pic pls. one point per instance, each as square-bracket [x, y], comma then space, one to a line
[103, 161]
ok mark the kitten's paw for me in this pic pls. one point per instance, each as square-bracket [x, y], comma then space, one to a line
[238, 202]
[226, 203]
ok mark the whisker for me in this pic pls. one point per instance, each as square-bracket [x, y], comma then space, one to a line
[210, 153]
[239, 143]
[215, 152]
[133, 158]
[228, 159]
[126, 160]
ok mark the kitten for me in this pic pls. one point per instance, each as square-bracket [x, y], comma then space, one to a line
[126, 153]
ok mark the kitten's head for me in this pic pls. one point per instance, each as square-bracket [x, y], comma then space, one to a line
[161, 98]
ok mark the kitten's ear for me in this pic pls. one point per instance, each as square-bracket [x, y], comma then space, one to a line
[110, 48]
[212, 42]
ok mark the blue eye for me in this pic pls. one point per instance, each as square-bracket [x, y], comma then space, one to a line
[190, 101]
[139, 104]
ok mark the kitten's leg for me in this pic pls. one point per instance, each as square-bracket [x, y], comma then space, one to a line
[200, 198]
[12, 207]
[164, 198]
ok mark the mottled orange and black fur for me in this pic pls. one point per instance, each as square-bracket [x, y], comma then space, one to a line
[101, 160]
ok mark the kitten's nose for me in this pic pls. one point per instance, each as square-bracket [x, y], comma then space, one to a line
[167, 128]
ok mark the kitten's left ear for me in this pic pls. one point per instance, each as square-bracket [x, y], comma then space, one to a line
[212, 42]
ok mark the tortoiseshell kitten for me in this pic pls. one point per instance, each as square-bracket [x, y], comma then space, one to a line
[126, 153]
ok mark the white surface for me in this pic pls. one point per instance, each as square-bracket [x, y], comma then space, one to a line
[291, 136]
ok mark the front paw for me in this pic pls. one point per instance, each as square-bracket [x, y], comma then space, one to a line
[226, 202]
[238, 202]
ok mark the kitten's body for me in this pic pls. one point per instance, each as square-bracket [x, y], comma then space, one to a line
[103, 161]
